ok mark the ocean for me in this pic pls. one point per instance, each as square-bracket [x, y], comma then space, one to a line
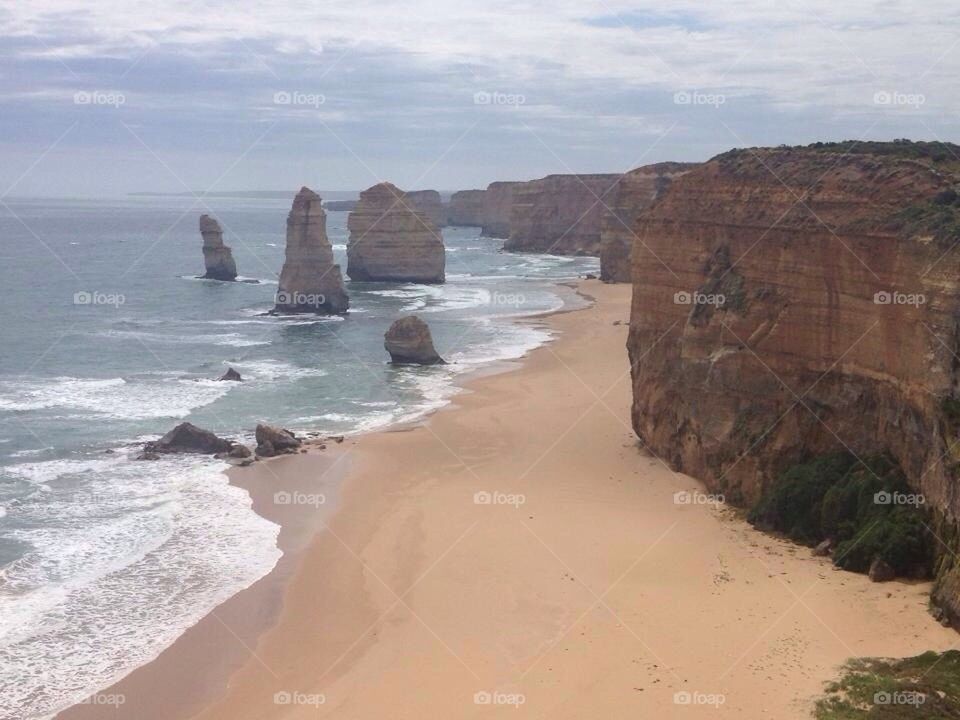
[110, 340]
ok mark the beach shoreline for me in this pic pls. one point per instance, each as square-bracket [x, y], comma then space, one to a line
[518, 549]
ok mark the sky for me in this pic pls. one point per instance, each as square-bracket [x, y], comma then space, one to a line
[98, 99]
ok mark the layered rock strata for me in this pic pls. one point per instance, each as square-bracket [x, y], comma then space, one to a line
[560, 214]
[391, 240]
[634, 193]
[429, 203]
[217, 257]
[310, 281]
[466, 208]
[497, 209]
[792, 302]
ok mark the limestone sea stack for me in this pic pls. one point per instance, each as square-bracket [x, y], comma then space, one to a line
[792, 303]
[391, 240]
[560, 214]
[430, 204]
[409, 342]
[217, 257]
[310, 282]
[634, 193]
[497, 209]
[465, 208]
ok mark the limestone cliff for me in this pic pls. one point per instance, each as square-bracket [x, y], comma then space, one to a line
[309, 281]
[391, 240]
[497, 209]
[217, 257]
[634, 193]
[465, 208]
[791, 302]
[560, 214]
[429, 203]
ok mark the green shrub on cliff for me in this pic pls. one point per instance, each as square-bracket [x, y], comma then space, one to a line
[926, 686]
[864, 507]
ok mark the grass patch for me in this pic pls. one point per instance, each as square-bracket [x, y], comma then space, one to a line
[939, 218]
[926, 686]
[836, 496]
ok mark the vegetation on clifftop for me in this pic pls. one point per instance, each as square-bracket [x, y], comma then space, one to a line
[866, 509]
[926, 686]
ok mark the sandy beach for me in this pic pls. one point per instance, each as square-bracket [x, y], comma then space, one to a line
[518, 552]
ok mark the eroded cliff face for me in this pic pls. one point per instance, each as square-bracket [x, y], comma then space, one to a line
[634, 193]
[560, 214]
[429, 203]
[497, 208]
[310, 282]
[792, 302]
[466, 208]
[392, 240]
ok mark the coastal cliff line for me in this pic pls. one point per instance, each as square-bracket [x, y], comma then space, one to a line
[792, 304]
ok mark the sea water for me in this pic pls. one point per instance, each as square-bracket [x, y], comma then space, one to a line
[109, 339]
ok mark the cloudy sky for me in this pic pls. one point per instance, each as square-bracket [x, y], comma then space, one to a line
[103, 98]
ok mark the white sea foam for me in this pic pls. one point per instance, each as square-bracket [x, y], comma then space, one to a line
[227, 339]
[122, 562]
[111, 397]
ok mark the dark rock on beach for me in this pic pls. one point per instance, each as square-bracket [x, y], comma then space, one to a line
[275, 441]
[188, 438]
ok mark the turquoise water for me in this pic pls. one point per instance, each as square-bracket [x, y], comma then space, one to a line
[103, 560]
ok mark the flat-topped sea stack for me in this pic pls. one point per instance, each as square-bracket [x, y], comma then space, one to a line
[391, 240]
[790, 303]
[560, 214]
[466, 208]
[217, 257]
[310, 281]
[429, 203]
[497, 209]
[634, 193]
